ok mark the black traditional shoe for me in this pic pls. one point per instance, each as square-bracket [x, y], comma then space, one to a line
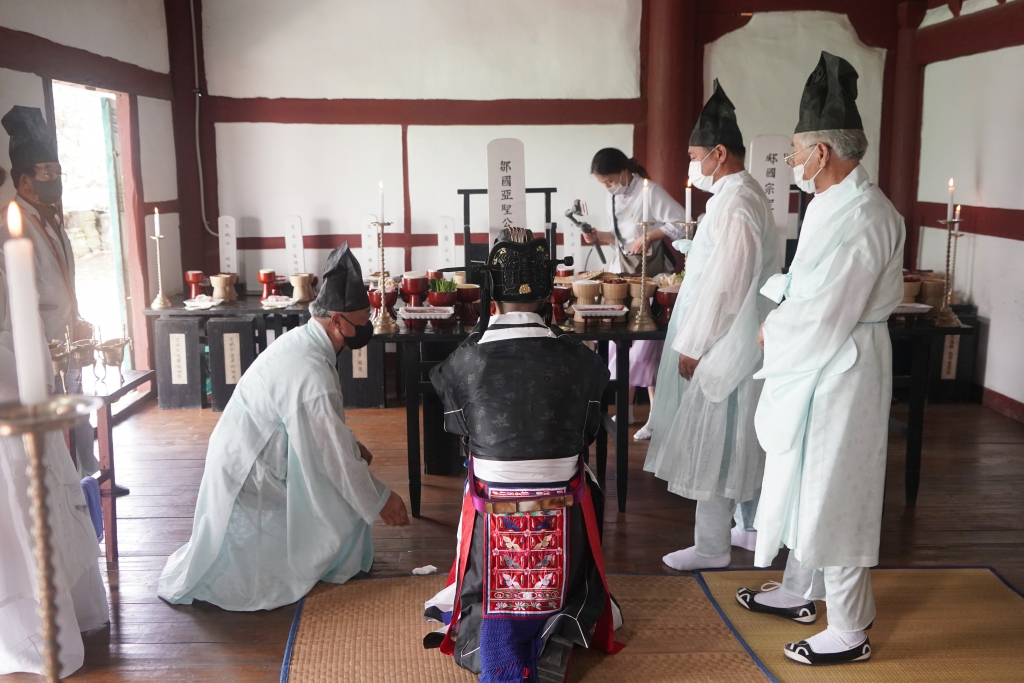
[553, 663]
[802, 652]
[803, 614]
[120, 491]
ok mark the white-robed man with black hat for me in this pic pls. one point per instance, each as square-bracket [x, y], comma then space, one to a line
[824, 410]
[702, 420]
[287, 497]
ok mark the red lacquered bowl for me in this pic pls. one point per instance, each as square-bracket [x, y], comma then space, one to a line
[666, 300]
[391, 298]
[468, 293]
[435, 275]
[414, 285]
[564, 272]
[442, 298]
[560, 294]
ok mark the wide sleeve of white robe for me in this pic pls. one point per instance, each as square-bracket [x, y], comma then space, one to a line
[81, 596]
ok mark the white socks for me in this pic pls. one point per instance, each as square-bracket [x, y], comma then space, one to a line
[688, 560]
[773, 595]
[742, 538]
[644, 434]
[830, 640]
[631, 418]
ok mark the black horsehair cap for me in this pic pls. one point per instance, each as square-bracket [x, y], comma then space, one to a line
[342, 289]
[519, 268]
[829, 100]
[32, 141]
[717, 124]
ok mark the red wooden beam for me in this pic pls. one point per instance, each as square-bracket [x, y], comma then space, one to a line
[670, 95]
[425, 112]
[28, 52]
[970, 34]
[135, 226]
[978, 220]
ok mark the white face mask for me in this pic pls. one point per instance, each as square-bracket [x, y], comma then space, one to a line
[699, 180]
[617, 188]
[808, 184]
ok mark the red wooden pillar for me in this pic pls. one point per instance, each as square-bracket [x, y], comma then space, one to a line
[199, 249]
[670, 90]
[906, 124]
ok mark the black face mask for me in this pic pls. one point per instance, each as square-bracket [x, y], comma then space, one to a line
[361, 338]
[48, 191]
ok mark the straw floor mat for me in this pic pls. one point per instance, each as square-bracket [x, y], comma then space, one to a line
[932, 625]
[371, 631]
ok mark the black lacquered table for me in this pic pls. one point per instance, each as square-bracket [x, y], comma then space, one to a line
[919, 333]
[414, 371]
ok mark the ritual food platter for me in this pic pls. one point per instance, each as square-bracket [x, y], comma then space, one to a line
[426, 312]
[202, 303]
[278, 302]
[912, 309]
[600, 310]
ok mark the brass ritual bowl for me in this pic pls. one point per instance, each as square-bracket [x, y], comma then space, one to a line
[112, 351]
[83, 352]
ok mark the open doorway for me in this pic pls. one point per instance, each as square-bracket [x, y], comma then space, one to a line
[87, 139]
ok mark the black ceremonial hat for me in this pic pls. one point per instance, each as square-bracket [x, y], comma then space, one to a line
[519, 267]
[716, 124]
[32, 142]
[342, 289]
[829, 101]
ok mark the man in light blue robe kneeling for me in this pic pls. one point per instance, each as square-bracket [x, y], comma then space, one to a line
[287, 497]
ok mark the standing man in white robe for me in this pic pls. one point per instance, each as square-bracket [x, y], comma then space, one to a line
[824, 411]
[37, 177]
[703, 441]
[81, 596]
[287, 497]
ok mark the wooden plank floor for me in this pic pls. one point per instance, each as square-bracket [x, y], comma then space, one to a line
[970, 512]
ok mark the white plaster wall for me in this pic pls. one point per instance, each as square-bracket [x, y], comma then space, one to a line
[937, 15]
[972, 125]
[156, 139]
[444, 159]
[423, 49]
[170, 255]
[988, 274]
[763, 67]
[971, 131]
[15, 88]
[133, 31]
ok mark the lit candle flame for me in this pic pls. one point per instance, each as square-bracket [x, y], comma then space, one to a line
[645, 182]
[958, 209]
[14, 220]
[156, 212]
[689, 183]
[951, 182]
[381, 186]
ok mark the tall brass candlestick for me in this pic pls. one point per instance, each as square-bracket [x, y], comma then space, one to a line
[32, 423]
[160, 301]
[642, 321]
[946, 317]
[385, 323]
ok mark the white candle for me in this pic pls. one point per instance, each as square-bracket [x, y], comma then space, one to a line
[380, 212]
[689, 199]
[26, 325]
[647, 202]
[949, 207]
[156, 222]
[956, 215]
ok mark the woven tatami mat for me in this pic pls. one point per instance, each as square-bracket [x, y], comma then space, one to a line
[932, 625]
[371, 631]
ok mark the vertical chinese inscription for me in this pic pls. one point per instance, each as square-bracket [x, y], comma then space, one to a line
[232, 359]
[179, 358]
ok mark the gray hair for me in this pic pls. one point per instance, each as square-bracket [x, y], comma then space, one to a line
[318, 311]
[847, 143]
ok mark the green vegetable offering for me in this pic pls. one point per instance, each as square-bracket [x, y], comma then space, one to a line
[441, 285]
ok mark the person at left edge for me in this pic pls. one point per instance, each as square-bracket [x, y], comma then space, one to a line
[287, 497]
[528, 581]
[624, 179]
[37, 179]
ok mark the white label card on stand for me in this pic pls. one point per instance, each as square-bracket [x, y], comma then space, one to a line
[359, 364]
[232, 358]
[950, 356]
[228, 237]
[447, 253]
[179, 358]
[506, 185]
[371, 250]
[768, 167]
[294, 249]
